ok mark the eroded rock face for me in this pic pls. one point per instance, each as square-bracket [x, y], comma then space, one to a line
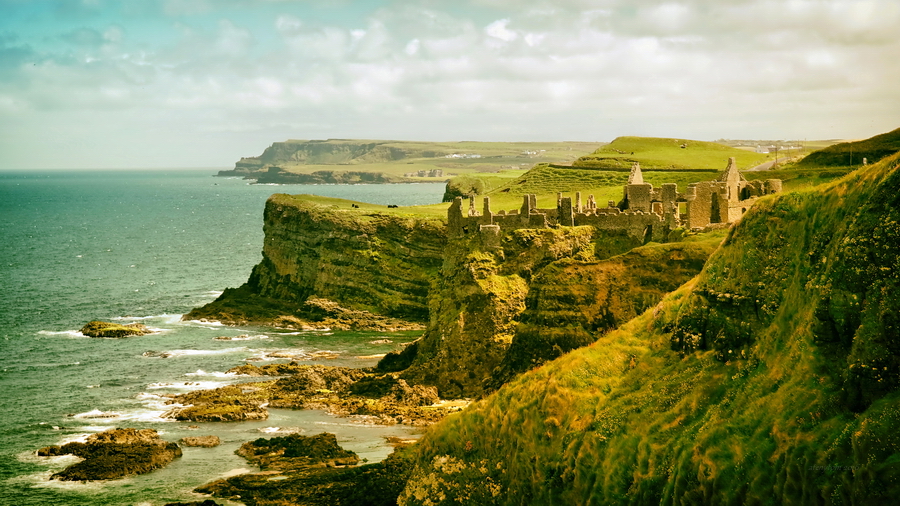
[114, 454]
[336, 268]
[98, 328]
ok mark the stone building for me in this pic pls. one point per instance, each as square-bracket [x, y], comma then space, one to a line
[646, 212]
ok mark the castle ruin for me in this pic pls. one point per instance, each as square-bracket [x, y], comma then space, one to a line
[645, 212]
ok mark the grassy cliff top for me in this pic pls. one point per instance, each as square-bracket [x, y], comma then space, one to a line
[655, 153]
[396, 158]
[330, 205]
[847, 154]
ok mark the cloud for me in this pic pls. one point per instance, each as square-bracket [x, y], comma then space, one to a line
[498, 30]
[575, 69]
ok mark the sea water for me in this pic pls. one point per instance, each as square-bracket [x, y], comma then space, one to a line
[147, 246]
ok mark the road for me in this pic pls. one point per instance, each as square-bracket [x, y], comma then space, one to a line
[768, 165]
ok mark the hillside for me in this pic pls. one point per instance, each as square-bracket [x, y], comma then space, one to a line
[655, 153]
[770, 378]
[848, 154]
[385, 161]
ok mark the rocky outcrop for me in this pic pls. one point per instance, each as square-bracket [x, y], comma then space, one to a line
[201, 441]
[342, 391]
[106, 329]
[114, 454]
[572, 303]
[297, 452]
[344, 267]
[313, 471]
[505, 304]
[231, 403]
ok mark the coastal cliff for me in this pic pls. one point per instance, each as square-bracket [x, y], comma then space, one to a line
[329, 264]
[772, 377]
[492, 306]
[341, 152]
[506, 303]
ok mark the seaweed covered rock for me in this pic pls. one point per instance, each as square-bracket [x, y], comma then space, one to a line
[114, 454]
[98, 328]
[297, 452]
[231, 403]
[376, 484]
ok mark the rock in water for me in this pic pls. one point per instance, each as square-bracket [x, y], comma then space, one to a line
[114, 454]
[203, 441]
[297, 452]
[106, 329]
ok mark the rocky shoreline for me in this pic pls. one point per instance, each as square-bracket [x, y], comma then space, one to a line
[312, 470]
[367, 394]
[114, 454]
[239, 306]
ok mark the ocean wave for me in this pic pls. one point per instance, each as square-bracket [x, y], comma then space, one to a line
[215, 374]
[67, 333]
[242, 337]
[192, 353]
[169, 318]
[295, 354]
[280, 430]
[207, 323]
[97, 414]
[187, 385]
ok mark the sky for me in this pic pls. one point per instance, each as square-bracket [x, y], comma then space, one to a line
[201, 83]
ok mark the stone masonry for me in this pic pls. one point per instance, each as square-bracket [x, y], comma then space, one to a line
[645, 212]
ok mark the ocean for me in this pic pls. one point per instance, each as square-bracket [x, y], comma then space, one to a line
[146, 246]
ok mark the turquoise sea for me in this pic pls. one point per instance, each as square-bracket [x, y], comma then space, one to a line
[145, 246]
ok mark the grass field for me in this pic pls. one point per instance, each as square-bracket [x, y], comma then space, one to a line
[492, 156]
[655, 153]
[497, 175]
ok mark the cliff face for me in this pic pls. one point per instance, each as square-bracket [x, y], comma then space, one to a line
[326, 152]
[504, 304]
[493, 306]
[362, 261]
[772, 377]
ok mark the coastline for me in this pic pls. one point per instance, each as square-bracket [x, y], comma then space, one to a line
[148, 246]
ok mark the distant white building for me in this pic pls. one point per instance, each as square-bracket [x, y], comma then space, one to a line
[461, 155]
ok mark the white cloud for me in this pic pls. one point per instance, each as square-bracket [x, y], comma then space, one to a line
[540, 70]
[498, 30]
[412, 47]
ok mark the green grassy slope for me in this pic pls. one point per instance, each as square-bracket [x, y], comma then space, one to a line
[667, 154]
[771, 378]
[396, 158]
[848, 154]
